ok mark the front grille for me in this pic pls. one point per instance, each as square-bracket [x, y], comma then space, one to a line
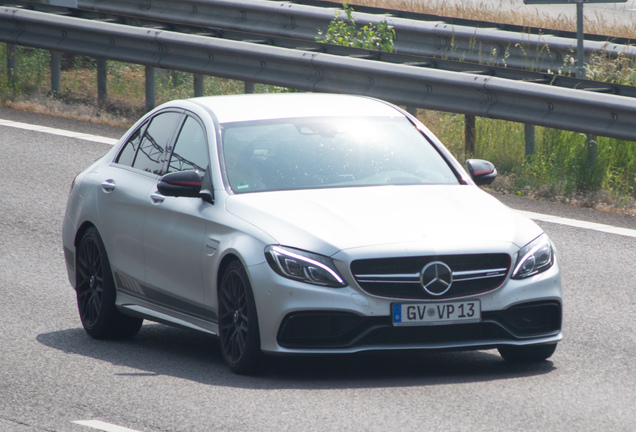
[401, 277]
[322, 330]
[458, 334]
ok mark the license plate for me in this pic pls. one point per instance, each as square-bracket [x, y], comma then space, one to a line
[414, 314]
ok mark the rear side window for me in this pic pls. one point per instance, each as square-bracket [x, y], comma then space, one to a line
[149, 147]
[127, 155]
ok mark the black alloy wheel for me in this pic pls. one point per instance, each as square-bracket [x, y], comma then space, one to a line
[96, 292]
[238, 324]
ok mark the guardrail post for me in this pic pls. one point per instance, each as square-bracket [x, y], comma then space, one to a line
[530, 139]
[580, 54]
[198, 84]
[592, 147]
[249, 87]
[469, 135]
[56, 67]
[102, 79]
[150, 88]
[412, 110]
[12, 63]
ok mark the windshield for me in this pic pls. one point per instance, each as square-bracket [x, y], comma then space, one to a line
[322, 152]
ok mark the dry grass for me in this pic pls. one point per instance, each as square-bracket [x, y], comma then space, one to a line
[488, 12]
[601, 200]
[76, 111]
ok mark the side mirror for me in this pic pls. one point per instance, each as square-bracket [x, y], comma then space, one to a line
[180, 184]
[481, 171]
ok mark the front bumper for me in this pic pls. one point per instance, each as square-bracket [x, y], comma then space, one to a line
[341, 330]
[300, 318]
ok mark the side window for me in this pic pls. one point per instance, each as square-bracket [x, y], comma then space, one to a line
[190, 150]
[154, 147]
[127, 155]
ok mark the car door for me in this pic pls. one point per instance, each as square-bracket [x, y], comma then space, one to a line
[175, 228]
[123, 199]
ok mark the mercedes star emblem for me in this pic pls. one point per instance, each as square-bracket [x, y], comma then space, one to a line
[436, 278]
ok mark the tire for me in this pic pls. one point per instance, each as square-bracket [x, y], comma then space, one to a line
[96, 292]
[238, 323]
[527, 354]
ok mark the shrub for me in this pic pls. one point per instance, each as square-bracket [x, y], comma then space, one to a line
[345, 32]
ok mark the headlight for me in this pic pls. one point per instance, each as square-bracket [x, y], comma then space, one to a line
[303, 266]
[535, 257]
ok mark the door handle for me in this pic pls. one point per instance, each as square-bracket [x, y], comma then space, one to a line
[157, 198]
[108, 185]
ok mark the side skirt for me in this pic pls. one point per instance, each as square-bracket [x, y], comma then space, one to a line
[134, 306]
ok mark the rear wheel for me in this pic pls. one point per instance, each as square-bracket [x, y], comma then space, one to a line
[238, 324]
[527, 354]
[96, 292]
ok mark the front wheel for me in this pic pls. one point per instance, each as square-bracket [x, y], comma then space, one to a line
[96, 292]
[238, 324]
[527, 354]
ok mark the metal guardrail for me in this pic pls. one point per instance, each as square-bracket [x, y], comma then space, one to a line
[484, 96]
[520, 50]
[141, 19]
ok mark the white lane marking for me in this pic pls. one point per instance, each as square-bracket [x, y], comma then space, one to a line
[581, 224]
[60, 132]
[102, 426]
[536, 216]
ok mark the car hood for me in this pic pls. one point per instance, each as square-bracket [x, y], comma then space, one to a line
[431, 219]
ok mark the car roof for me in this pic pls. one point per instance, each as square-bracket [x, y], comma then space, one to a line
[249, 107]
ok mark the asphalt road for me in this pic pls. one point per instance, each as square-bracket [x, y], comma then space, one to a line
[53, 375]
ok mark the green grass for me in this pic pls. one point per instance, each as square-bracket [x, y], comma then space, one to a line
[560, 168]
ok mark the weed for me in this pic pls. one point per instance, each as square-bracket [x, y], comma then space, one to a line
[346, 32]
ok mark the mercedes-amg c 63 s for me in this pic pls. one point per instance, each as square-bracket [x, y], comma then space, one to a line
[305, 224]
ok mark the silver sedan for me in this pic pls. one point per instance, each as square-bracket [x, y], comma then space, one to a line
[305, 223]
